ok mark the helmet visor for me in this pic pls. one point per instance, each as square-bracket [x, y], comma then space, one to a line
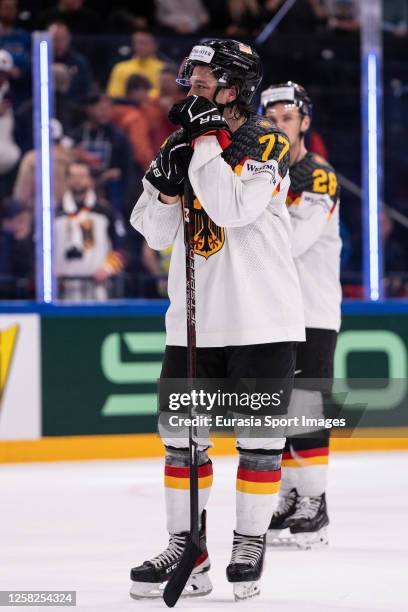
[200, 55]
[278, 94]
[287, 95]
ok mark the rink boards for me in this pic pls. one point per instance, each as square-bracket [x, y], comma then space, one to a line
[80, 381]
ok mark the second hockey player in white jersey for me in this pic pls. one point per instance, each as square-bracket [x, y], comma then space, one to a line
[249, 311]
[313, 204]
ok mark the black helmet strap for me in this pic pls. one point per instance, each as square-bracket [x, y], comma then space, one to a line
[222, 107]
[231, 104]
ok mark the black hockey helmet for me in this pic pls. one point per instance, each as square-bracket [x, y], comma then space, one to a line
[230, 61]
[288, 92]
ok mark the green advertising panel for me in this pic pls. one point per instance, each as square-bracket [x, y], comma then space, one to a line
[373, 347]
[99, 373]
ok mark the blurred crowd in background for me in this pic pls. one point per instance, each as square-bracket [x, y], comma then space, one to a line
[113, 72]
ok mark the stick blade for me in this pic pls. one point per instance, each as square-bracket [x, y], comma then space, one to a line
[181, 574]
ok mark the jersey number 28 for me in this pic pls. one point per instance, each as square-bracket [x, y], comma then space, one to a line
[324, 182]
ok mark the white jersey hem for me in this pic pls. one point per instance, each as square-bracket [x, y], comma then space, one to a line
[333, 325]
[241, 338]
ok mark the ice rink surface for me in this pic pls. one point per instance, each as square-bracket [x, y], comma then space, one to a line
[82, 525]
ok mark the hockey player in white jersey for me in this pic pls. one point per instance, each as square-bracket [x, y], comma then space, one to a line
[249, 312]
[313, 204]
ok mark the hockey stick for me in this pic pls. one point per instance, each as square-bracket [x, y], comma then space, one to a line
[178, 580]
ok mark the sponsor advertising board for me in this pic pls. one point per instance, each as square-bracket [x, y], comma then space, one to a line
[100, 373]
[20, 388]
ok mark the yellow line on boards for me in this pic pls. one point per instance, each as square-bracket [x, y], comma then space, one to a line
[138, 446]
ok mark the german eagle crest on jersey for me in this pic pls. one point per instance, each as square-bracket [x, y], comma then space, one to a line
[257, 140]
[208, 236]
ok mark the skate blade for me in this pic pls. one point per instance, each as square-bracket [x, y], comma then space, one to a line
[198, 585]
[307, 541]
[246, 590]
[280, 538]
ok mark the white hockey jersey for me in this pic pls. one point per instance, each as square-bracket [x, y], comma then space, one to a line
[247, 287]
[313, 204]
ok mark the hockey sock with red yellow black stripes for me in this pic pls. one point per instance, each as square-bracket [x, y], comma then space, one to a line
[177, 486]
[305, 464]
[258, 481]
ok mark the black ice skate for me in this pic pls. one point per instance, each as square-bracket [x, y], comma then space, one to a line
[149, 579]
[245, 567]
[278, 532]
[308, 524]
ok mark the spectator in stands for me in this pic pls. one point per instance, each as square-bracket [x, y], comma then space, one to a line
[218, 16]
[124, 16]
[157, 110]
[105, 148]
[146, 123]
[394, 253]
[145, 120]
[144, 61]
[395, 17]
[181, 16]
[342, 15]
[302, 16]
[138, 90]
[12, 38]
[62, 156]
[394, 257]
[243, 16]
[77, 18]
[157, 264]
[77, 64]
[16, 251]
[149, 130]
[87, 245]
[129, 115]
[9, 151]
[65, 109]
[17, 42]
[121, 21]
[6, 69]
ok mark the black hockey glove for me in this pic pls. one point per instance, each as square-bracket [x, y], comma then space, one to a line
[170, 167]
[201, 117]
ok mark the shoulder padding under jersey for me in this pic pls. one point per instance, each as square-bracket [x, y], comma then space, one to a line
[313, 174]
[260, 140]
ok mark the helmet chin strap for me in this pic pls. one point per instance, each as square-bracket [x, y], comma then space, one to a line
[222, 107]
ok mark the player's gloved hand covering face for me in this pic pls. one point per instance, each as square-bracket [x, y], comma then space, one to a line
[170, 167]
[200, 117]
